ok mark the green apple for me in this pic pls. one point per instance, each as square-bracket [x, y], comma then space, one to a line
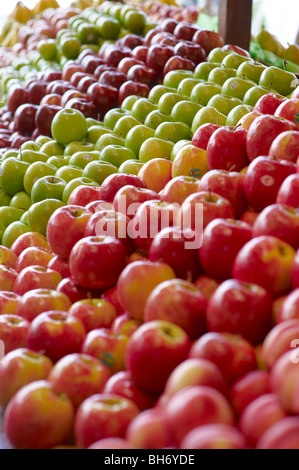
[21, 200]
[58, 162]
[99, 170]
[155, 118]
[141, 109]
[8, 215]
[173, 79]
[31, 156]
[173, 131]
[109, 139]
[9, 154]
[4, 198]
[202, 93]
[220, 74]
[282, 81]
[81, 159]
[157, 91]
[237, 113]
[115, 10]
[203, 69]
[116, 154]
[12, 175]
[95, 132]
[186, 86]
[39, 214]
[233, 61]
[251, 70]
[124, 124]
[237, 87]
[155, 148]
[113, 115]
[208, 114]
[178, 146]
[68, 125]
[69, 173]
[52, 148]
[131, 167]
[35, 171]
[89, 33]
[47, 49]
[42, 139]
[224, 103]
[129, 101]
[135, 21]
[168, 100]
[30, 145]
[47, 187]
[12, 232]
[185, 111]
[124, 11]
[93, 122]
[77, 146]
[24, 218]
[70, 47]
[254, 94]
[74, 184]
[2, 230]
[217, 55]
[136, 136]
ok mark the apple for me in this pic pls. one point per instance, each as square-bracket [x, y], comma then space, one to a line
[263, 179]
[150, 341]
[74, 292]
[285, 146]
[25, 118]
[9, 302]
[157, 56]
[17, 96]
[155, 147]
[7, 257]
[37, 301]
[21, 367]
[110, 443]
[280, 221]
[140, 52]
[273, 273]
[156, 173]
[214, 436]
[126, 63]
[103, 96]
[295, 271]
[149, 431]
[177, 62]
[282, 81]
[207, 39]
[282, 435]
[33, 256]
[114, 182]
[248, 119]
[190, 50]
[190, 161]
[203, 134]
[93, 313]
[27, 240]
[226, 149]
[249, 387]
[113, 78]
[193, 405]
[60, 265]
[143, 74]
[36, 91]
[232, 354]
[179, 188]
[206, 285]
[78, 376]
[101, 416]
[267, 104]
[289, 308]
[83, 195]
[124, 325]
[279, 339]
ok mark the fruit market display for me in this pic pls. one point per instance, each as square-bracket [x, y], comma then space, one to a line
[122, 331]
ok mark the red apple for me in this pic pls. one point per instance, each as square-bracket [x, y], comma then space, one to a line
[214, 436]
[37, 301]
[282, 435]
[157, 57]
[179, 188]
[249, 387]
[36, 277]
[44, 117]
[9, 302]
[289, 110]
[33, 256]
[178, 63]
[132, 88]
[126, 63]
[17, 96]
[279, 340]
[60, 265]
[140, 53]
[130, 40]
[285, 146]
[203, 134]
[25, 118]
[129, 198]
[207, 39]
[116, 181]
[289, 191]
[149, 431]
[8, 277]
[13, 331]
[93, 313]
[74, 292]
[295, 271]
[190, 50]
[289, 309]
[226, 149]
[125, 325]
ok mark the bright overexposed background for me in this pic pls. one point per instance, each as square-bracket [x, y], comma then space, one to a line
[280, 17]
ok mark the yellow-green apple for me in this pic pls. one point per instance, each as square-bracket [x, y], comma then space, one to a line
[190, 161]
[65, 227]
[36, 277]
[200, 208]
[266, 261]
[37, 301]
[78, 376]
[101, 416]
[21, 367]
[249, 387]
[94, 313]
[13, 331]
[179, 302]
[232, 354]
[222, 240]
[248, 119]
[282, 435]
[240, 308]
[137, 281]
[263, 131]
[179, 188]
[285, 146]
[149, 430]
[37, 417]
[116, 181]
[260, 415]
[281, 80]
[290, 308]
[214, 436]
[263, 179]
[226, 149]
[96, 262]
[9, 302]
[162, 346]
[156, 173]
[278, 220]
[55, 333]
[196, 404]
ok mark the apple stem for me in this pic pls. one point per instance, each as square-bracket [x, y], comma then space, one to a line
[285, 63]
[198, 100]
[244, 77]
[270, 86]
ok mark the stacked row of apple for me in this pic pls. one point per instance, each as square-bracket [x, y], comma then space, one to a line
[215, 324]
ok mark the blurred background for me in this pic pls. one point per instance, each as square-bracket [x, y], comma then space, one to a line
[280, 17]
